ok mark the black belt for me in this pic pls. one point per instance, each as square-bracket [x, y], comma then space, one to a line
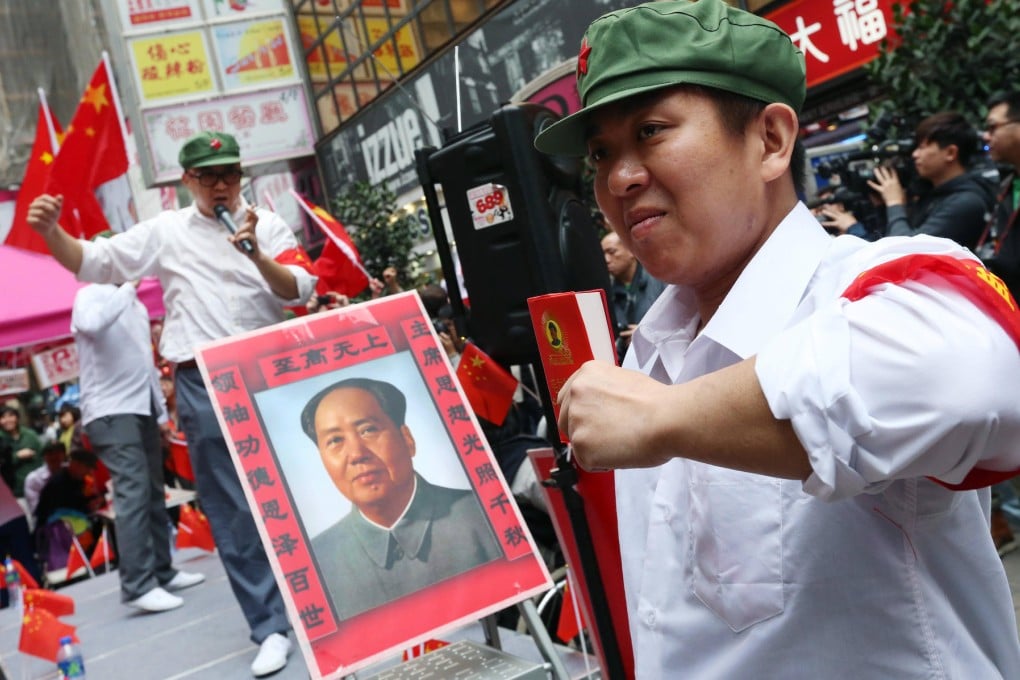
[190, 363]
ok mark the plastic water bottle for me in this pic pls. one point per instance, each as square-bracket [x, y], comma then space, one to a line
[13, 582]
[69, 660]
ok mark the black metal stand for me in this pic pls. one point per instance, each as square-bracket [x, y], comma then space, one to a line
[564, 476]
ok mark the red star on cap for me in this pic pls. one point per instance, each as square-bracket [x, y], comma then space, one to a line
[582, 58]
[216, 144]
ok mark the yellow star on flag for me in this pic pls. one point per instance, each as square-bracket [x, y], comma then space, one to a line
[46, 157]
[96, 96]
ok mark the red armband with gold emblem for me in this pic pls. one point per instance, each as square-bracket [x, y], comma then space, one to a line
[970, 278]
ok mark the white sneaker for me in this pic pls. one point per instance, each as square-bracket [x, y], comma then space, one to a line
[156, 600]
[272, 655]
[184, 579]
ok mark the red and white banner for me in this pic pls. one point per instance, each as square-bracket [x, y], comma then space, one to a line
[56, 365]
[13, 381]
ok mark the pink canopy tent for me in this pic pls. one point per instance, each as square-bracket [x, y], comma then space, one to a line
[36, 295]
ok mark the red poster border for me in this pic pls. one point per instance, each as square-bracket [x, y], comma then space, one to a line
[235, 369]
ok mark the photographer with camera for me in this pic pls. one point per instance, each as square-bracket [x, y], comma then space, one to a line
[324, 303]
[957, 202]
[838, 219]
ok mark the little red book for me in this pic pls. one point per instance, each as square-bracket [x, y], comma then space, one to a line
[571, 328]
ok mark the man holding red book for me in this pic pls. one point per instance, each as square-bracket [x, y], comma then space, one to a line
[804, 428]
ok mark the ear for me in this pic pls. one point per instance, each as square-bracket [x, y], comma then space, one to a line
[778, 128]
[952, 152]
[405, 431]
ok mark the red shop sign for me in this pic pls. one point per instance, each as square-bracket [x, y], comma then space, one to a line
[836, 36]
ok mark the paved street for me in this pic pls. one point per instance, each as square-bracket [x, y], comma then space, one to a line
[206, 639]
[178, 645]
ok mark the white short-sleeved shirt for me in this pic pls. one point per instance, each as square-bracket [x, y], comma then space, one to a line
[118, 376]
[210, 290]
[868, 569]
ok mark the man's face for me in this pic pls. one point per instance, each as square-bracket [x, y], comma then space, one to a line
[366, 455]
[1002, 134]
[932, 161]
[684, 194]
[224, 187]
[9, 422]
[619, 260]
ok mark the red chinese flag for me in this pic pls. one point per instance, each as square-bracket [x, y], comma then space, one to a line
[489, 387]
[339, 266]
[181, 459]
[75, 559]
[102, 553]
[93, 152]
[34, 183]
[426, 647]
[193, 530]
[55, 603]
[41, 632]
[27, 581]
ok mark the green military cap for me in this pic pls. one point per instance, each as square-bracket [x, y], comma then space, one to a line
[660, 44]
[209, 148]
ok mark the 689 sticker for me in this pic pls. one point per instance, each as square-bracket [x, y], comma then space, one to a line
[490, 205]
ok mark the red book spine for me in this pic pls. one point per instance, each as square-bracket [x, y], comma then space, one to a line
[571, 328]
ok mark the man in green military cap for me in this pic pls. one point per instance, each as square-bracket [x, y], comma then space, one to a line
[213, 287]
[804, 490]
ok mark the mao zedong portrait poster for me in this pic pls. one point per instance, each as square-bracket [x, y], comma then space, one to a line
[378, 500]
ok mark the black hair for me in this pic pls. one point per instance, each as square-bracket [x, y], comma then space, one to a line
[737, 111]
[54, 447]
[83, 456]
[948, 128]
[73, 410]
[1011, 98]
[4, 410]
[433, 297]
[391, 400]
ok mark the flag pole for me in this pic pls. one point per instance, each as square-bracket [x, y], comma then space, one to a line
[84, 556]
[116, 102]
[48, 115]
[328, 232]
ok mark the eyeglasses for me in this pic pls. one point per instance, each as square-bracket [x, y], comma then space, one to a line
[209, 179]
[990, 127]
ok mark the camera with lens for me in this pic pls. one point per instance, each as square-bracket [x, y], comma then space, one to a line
[323, 300]
[440, 326]
[850, 172]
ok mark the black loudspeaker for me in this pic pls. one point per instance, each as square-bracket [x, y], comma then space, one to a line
[520, 226]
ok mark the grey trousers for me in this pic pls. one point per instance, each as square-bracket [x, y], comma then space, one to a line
[129, 445]
[223, 501]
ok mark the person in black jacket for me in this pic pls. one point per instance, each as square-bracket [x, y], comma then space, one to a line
[1000, 247]
[958, 202]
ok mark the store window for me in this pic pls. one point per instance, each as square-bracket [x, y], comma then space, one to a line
[357, 49]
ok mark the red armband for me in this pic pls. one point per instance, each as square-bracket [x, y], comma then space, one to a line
[972, 280]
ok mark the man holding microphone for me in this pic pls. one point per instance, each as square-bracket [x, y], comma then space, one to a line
[214, 286]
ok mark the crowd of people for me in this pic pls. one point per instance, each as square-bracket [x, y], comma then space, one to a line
[954, 198]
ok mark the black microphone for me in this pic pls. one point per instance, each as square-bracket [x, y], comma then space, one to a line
[223, 215]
